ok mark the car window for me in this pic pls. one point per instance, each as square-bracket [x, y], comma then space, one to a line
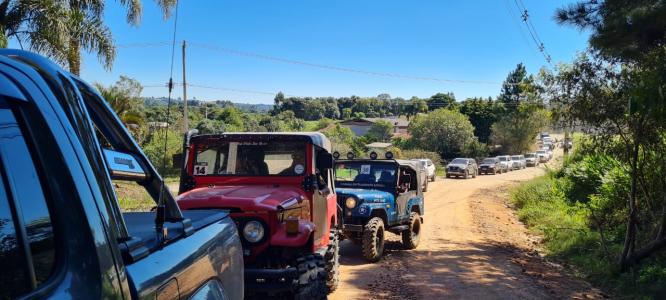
[459, 161]
[488, 161]
[31, 212]
[251, 159]
[502, 158]
[14, 279]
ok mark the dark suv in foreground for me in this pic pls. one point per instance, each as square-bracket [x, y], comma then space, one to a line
[62, 233]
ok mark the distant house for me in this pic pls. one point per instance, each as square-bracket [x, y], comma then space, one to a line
[361, 126]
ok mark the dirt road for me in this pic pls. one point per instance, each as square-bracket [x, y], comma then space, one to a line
[472, 247]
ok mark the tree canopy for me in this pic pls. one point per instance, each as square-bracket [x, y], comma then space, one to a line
[443, 131]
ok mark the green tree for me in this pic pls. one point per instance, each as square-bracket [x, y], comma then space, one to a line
[513, 88]
[624, 30]
[206, 126]
[441, 100]
[443, 131]
[124, 97]
[341, 138]
[625, 103]
[415, 107]
[482, 113]
[516, 132]
[346, 113]
[154, 149]
[381, 130]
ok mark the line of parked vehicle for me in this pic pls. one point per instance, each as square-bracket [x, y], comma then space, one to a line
[467, 167]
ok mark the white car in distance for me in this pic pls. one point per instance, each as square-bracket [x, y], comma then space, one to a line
[427, 164]
[543, 156]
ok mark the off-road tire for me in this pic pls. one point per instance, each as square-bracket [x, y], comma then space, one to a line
[332, 259]
[311, 278]
[474, 175]
[433, 178]
[448, 175]
[412, 236]
[373, 240]
[425, 186]
[466, 174]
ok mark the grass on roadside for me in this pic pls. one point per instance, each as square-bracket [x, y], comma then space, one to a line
[569, 237]
[132, 197]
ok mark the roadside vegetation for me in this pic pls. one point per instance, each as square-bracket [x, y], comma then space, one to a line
[605, 210]
[580, 211]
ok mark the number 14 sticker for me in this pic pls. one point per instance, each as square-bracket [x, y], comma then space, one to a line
[200, 170]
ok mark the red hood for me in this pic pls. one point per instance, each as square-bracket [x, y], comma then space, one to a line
[246, 198]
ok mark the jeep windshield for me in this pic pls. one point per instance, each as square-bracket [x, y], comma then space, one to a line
[502, 158]
[529, 155]
[365, 174]
[277, 158]
[488, 161]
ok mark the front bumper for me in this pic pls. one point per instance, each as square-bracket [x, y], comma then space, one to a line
[487, 169]
[455, 172]
[271, 280]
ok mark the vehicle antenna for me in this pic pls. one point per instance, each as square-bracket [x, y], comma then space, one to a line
[160, 216]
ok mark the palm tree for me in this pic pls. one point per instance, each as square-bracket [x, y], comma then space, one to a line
[60, 29]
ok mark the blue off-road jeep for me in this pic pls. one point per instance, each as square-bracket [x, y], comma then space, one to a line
[378, 195]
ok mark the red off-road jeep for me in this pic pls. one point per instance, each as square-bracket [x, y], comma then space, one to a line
[279, 190]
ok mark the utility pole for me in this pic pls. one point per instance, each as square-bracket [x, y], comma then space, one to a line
[186, 125]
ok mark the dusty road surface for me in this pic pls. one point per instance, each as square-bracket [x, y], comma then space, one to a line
[472, 247]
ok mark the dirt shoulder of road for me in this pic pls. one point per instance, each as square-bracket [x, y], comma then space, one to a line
[495, 219]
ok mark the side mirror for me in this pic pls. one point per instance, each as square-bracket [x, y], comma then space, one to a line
[177, 160]
[123, 166]
[324, 161]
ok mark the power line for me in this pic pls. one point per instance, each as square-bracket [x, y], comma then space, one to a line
[230, 51]
[520, 28]
[532, 30]
[334, 68]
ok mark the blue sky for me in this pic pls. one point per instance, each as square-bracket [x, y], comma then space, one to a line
[460, 40]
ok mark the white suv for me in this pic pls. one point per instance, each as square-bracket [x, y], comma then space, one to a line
[427, 164]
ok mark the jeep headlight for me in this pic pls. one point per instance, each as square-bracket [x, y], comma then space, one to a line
[350, 202]
[253, 231]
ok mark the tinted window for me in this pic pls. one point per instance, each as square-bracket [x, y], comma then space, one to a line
[28, 195]
[14, 279]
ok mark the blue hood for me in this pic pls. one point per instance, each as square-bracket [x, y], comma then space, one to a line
[366, 195]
